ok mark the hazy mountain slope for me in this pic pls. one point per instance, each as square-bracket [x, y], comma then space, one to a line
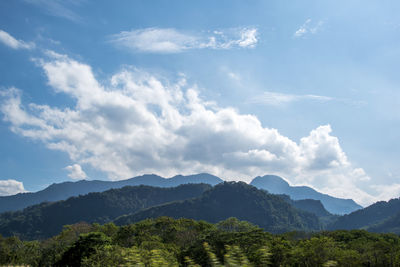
[239, 200]
[313, 206]
[277, 185]
[368, 216]
[65, 190]
[389, 225]
[47, 219]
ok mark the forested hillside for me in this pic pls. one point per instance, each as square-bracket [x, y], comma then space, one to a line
[239, 200]
[47, 219]
[389, 225]
[62, 191]
[369, 216]
[273, 213]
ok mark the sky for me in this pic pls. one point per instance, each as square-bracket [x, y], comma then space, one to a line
[109, 90]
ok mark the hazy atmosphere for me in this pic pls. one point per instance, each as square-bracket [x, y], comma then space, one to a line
[108, 90]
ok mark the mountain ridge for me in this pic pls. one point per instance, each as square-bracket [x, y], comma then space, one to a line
[47, 219]
[271, 183]
[277, 185]
[64, 190]
[246, 202]
[374, 216]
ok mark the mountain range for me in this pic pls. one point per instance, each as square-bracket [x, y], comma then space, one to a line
[65, 190]
[134, 203]
[239, 200]
[277, 185]
[273, 184]
[48, 218]
[382, 216]
[275, 213]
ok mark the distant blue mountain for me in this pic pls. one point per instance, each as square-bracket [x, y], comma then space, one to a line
[277, 185]
[271, 183]
[65, 190]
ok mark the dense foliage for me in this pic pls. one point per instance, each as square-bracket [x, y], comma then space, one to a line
[168, 242]
[47, 219]
[239, 200]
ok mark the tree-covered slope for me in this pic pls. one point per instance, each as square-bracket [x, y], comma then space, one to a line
[369, 216]
[389, 225]
[65, 190]
[309, 205]
[47, 219]
[239, 200]
[313, 206]
[276, 185]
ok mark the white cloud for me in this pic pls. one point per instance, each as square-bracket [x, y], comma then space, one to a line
[76, 172]
[161, 40]
[308, 28]
[138, 123]
[277, 99]
[387, 192]
[282, 99]
[11, 187]
[234, 76]
[248, 38]
[59, 8]
[10, 41]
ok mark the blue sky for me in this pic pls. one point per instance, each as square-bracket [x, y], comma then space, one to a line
[109, 90]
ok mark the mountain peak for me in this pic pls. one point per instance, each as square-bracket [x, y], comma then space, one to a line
[272, 183]
[277, 185]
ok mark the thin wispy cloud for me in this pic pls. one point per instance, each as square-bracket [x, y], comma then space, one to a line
[59, 8]
[234, 76]
[277, 99]
[8, 40]
[170, 40]
[308, 27]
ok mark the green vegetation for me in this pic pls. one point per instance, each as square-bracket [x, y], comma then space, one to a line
[380, 217]
[65, 190]
[184, 242]
[47, 219]
[230, 224]
[240, 200]
[194, 201]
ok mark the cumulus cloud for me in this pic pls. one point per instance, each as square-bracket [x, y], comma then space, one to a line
[387, 192]
[169, 40]
[11, 187]
[10, 41]
[308, 28]
[139, 123]
[76, 172]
